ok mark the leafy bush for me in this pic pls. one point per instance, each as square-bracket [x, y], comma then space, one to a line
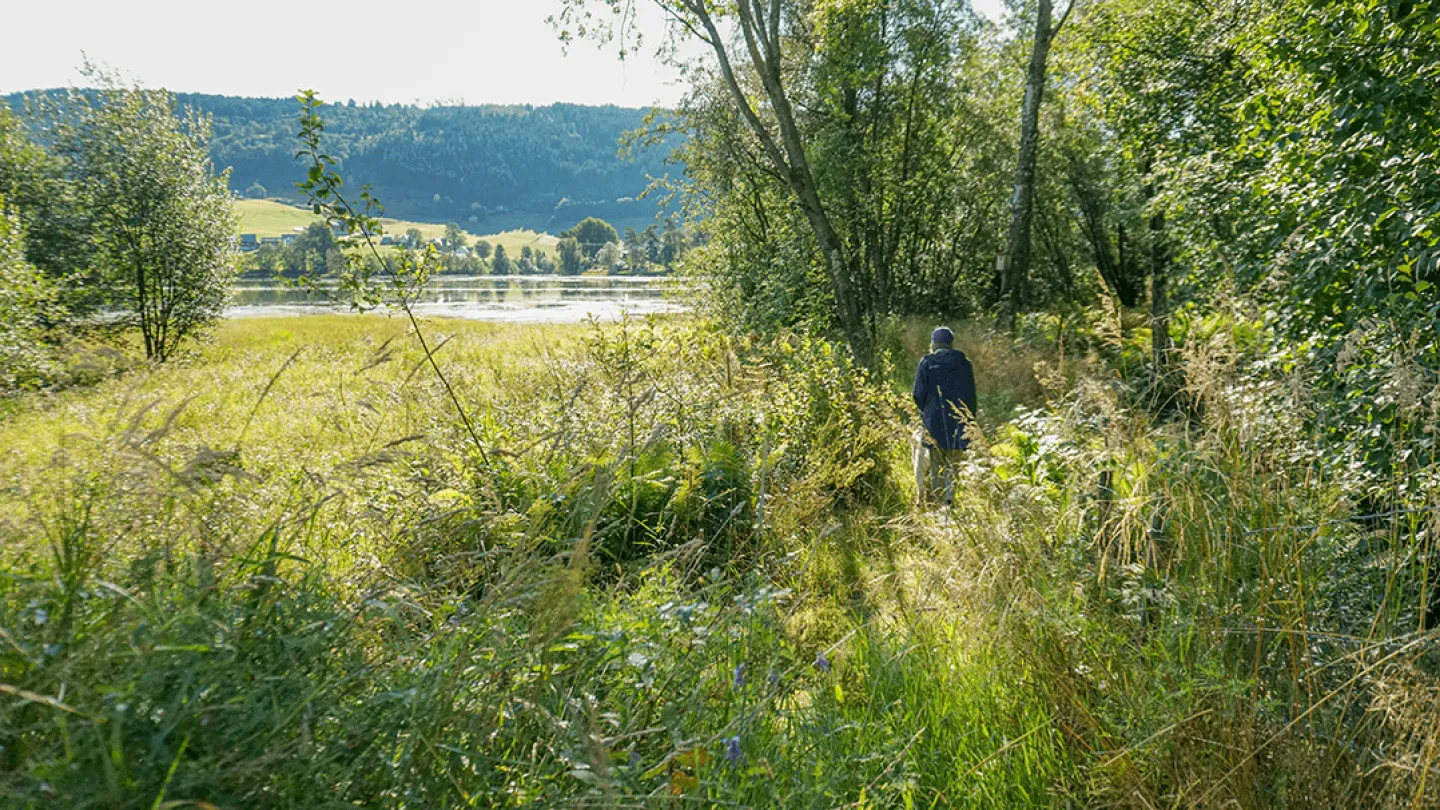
[28, 304]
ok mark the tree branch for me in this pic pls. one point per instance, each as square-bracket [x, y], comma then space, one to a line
[767, 141]
[1055, 29]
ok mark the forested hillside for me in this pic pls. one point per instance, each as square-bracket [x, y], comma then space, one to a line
[489, 168]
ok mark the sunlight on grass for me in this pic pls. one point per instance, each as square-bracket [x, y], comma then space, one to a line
[685, 566]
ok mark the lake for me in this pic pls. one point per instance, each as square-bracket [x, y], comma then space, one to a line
[520, 299]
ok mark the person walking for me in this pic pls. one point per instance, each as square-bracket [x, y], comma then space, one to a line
[945, 395]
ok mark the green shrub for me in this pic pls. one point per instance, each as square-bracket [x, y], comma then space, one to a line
[27, 304]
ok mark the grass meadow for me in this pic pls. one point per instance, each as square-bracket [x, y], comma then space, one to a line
[683, 569]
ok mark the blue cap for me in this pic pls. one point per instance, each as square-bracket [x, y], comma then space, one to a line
[942, 337]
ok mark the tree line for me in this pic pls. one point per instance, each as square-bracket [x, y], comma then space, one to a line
[592, 246]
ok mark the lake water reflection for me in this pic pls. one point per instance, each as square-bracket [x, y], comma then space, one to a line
[533, 299]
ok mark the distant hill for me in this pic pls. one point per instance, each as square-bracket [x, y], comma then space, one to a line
[490, 168]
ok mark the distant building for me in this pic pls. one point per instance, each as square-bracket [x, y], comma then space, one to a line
[462, 252]
[269, 240]
[249, 242]
[387, 240]
[289, 238]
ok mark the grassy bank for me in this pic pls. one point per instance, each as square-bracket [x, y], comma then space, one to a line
[681, 568]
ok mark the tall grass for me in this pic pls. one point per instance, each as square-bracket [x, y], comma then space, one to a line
[1225, 601]
[278, 574]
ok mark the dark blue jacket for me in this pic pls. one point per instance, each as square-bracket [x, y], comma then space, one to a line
[943, 382]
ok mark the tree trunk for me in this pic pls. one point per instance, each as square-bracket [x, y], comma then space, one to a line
[1022, 200]
[762, 43]
[1124, 263]
[1111, 258]
[832, 247]
[1051, 235]
[1159, 291]
[852, 315]
[142, 306]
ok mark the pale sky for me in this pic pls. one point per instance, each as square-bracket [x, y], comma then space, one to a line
[476, 51]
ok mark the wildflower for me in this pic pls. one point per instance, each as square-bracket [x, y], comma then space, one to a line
[822, 663]
[732, 750]
[739, 676]
[633, 760]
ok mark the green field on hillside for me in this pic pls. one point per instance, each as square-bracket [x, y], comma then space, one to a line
[273, 218]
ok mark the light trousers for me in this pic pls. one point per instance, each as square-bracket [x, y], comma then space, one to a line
[934, 470]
